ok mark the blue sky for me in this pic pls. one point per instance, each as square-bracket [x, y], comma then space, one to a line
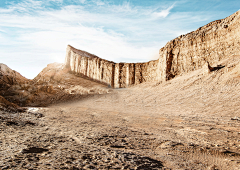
[34, 33]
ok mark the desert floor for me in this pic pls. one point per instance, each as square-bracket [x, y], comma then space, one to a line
[190, 122]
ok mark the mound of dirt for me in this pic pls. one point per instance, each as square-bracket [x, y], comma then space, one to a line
[57, 73]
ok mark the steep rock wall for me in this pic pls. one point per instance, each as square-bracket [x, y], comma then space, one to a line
[213, 42]
[117, 75]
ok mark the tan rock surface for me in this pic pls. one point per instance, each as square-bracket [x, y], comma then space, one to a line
[213, 42]
[10, 77]
[117, 75]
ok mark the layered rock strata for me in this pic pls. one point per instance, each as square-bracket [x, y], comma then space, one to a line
[211, 43]
[117, 75]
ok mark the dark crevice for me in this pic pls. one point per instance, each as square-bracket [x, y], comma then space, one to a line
[86, 67]
[133, 77]
[113, 74]
[102, 73]
[120, 74]
[141, 76]
[169, 75]
[117, 146]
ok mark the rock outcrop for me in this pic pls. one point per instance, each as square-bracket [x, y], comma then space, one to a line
[115, 74]
[209, 44]
[10, 77]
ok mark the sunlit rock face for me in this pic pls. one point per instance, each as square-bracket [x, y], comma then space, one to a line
[211, 43]
[115, 74]
[10, 77]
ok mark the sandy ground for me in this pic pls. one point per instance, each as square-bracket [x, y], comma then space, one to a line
[190, 122]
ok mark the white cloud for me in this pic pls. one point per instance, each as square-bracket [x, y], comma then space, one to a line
[164, 13]
[3, 10]
[99, 2]
[27, 5]
[125, 7]
[58, 1]
[2, 31]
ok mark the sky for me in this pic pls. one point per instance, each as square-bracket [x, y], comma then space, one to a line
[34, 33]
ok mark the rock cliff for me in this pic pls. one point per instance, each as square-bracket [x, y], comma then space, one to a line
[117, 75]
[209, 44]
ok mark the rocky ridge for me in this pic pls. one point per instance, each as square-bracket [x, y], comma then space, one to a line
[9, 78]
[117, 75]
[53, 84]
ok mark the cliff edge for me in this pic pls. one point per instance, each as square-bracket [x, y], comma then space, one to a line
[117, 75]
[211, 43]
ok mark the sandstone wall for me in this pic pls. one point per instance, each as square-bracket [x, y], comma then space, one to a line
[213, 42]
[117, 75]
[81, 62]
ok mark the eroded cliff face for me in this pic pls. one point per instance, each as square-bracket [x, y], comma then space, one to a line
[209, 44]
[117, 75]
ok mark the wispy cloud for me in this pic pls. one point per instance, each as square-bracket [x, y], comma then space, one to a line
[2, 31]
[125, 8]
[99, 2]
[163, 13]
